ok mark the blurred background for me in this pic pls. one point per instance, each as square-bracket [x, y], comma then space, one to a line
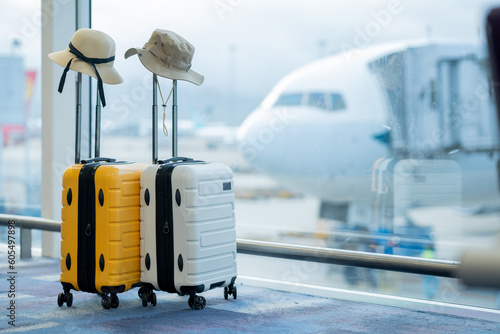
[367, 125]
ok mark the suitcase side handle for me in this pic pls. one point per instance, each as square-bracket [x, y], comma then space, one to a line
[98, 159]
[175, 159]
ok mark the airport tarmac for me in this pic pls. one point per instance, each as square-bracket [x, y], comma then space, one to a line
[265, 210]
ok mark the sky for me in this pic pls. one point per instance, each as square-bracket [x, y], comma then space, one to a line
[243, 47]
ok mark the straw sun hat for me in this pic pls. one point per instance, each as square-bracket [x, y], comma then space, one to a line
[168, 55]
[91, 52]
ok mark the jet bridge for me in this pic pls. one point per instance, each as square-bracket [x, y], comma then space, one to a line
[442, 133]
[440, 101]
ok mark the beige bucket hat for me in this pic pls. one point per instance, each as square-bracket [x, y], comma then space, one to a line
[91, 52]
[168, 55]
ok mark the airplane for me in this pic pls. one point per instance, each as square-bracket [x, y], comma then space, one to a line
[326, 128]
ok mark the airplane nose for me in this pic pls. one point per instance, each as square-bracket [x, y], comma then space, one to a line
[291, 139]
[262, 133]
[328, 154]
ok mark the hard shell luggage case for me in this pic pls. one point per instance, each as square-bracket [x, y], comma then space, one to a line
[188, 234]
[100, 229]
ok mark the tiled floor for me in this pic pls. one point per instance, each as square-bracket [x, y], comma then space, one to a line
[255, 310]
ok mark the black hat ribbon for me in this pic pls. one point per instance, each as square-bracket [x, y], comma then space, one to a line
[93, 62]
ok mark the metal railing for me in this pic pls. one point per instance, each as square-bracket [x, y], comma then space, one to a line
[397, 263]
[406, 264]
[26, 224]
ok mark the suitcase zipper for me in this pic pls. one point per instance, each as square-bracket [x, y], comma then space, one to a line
[88, 231]
[164, 239]
[86, 227]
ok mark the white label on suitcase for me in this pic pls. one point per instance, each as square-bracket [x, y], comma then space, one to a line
[215, 187]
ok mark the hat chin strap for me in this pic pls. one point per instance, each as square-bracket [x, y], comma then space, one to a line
[93, 62]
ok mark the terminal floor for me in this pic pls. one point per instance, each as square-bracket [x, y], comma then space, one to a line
[256, 310]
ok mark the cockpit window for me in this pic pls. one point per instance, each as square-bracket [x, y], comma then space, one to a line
[289, 100]
[325, 101]
[318, 100]
[337, 102]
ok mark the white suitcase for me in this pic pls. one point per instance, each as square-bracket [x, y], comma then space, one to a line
[188, 233]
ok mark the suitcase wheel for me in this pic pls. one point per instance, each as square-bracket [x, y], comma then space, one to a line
[114, 301]
[230, 290]
[108, 302]
[153, 299]
[69, 299]
[60, 299]
[65, 297]
[147, 296]
[197, 302]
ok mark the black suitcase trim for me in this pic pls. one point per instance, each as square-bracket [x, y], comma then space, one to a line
[192, 289]
[164, 227]
[216, 285]
[67, 286]
[86, 228]
[113, 289]
[86, 250]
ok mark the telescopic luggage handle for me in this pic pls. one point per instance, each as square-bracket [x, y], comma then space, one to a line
[98, 159]
[174, 119]
[78, 136]
[155, 119]
[78, 125]
[175, 159]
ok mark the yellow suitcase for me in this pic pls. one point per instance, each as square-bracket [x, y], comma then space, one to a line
[100, 236]
[100, 247]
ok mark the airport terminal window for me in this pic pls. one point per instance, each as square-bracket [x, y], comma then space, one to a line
[290, 189]
[20, 109]
[415, 194]
[20, 112]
